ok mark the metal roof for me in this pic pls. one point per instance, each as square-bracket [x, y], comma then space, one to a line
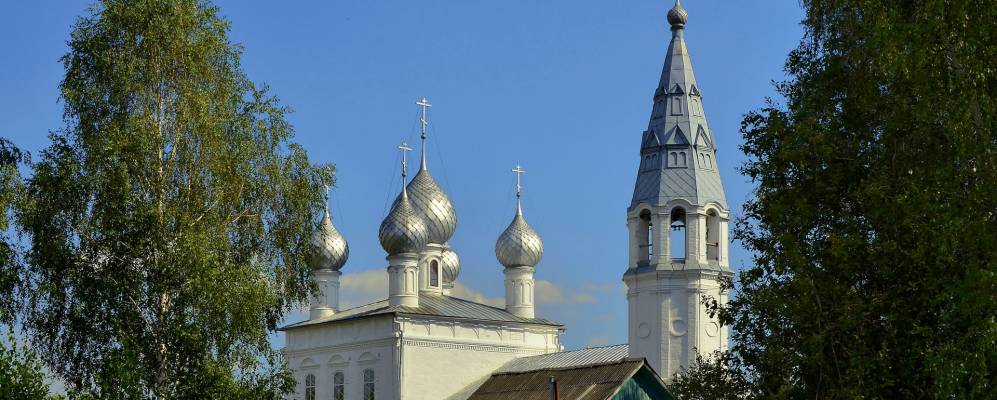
[431, 305]
[567, 359]
[586, 382]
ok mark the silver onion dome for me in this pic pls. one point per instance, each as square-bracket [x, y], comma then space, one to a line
[519, 245]
[433, 205]
[329, 247]
[677, 16]
[403, 231]
[450, 264]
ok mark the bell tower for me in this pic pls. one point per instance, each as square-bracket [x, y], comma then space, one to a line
[677, 222]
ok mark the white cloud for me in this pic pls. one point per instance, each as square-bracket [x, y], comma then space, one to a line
[464, 292]
[597, 341]
[357, 289]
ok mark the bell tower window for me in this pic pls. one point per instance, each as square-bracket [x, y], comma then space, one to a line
[677, 234]
[712, 236]
[676, 104]
[646, 239]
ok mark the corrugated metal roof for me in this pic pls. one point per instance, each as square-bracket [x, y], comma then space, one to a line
[566, 359]
[442, 306]
[587, 382]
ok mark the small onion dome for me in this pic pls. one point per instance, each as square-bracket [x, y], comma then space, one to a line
[451, 265]
[403, 231]
[677, 16]
[433, 205]
[329, 247]
[519, 245]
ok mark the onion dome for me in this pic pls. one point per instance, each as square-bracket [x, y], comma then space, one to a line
[677, 16]
[329, 247]
[450, 264]
[519, 245]
[433, 205]
[403, 231]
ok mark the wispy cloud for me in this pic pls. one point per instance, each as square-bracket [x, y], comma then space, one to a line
[366, 287]
[596, 341]
[550, 293]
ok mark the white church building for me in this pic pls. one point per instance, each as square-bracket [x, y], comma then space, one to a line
[421, 343]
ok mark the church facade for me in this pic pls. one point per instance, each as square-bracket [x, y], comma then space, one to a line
[422, 343]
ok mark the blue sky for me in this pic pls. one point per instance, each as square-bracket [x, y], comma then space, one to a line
[563, 87]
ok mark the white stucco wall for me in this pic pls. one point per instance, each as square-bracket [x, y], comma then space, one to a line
[414, 357]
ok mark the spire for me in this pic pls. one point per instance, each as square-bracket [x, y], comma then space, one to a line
[424, 104]
[678, 150]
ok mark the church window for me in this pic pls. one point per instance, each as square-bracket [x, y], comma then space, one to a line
[712, 236]
[682, 158]
[696, 109]
[676, 104]
[338, 386]
[434, 274]
[677, 234]
[675, 159]
[310, 387]
[709, 162]
[645, 240]
[368, 384]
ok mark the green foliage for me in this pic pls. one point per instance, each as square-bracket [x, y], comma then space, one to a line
[21, 375]
[169, 220]
[10, 263]
[873, 224]
[716, 376]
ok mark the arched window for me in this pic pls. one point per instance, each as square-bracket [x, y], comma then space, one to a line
[434, 273]
[682, 158]
[675, 160]
[712, 236]
[645, 239]
[368, 384]
[676, 104]
[677, 235]
[338, 386]
[310, 387]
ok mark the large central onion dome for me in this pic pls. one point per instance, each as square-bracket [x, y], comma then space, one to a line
[329, 247]
[519, 245]
[433, 205]
[450, 264]
[403, 231]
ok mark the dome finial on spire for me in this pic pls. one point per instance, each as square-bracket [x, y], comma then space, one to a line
[677, 16]
[519, 245]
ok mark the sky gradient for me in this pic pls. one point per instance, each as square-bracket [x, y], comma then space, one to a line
[563, 87]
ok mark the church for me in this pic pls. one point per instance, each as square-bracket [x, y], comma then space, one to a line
[421, 343]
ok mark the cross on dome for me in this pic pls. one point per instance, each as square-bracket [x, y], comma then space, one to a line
[405, 149]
